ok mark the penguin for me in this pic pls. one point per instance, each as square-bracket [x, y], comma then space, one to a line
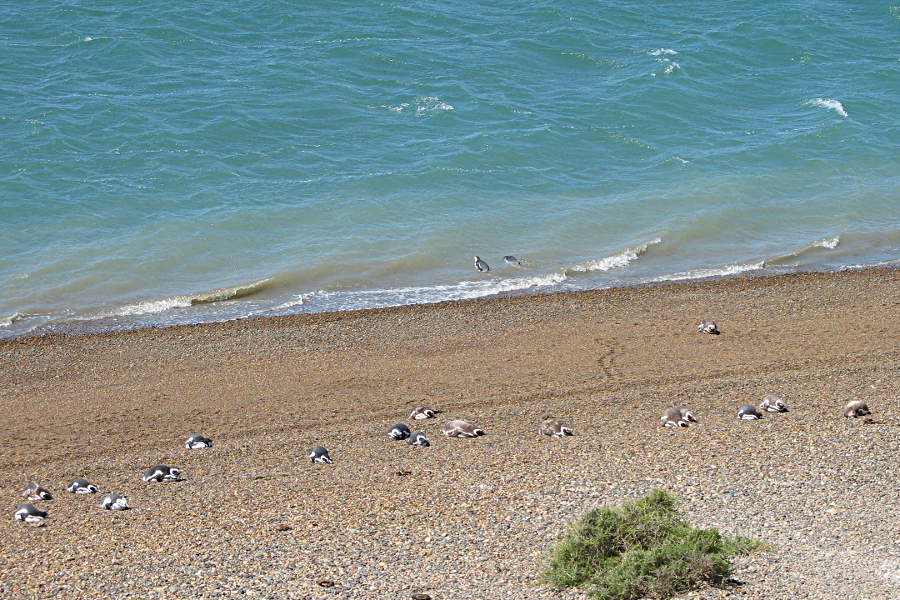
[481, 266]
[512, 260]
[29, 514]
[400, 431]
[420, 412]
[772, 403]
[318, 454]
[676, 416]
[748, 413]
[114, 502]
[160, 473]
[82, 486]
[417, 438]
[34, 492]
[708, 326]
[856, 408]
[460, 428]
[555, 428]
[197, 441]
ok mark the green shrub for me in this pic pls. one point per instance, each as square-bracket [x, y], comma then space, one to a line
[641, 549]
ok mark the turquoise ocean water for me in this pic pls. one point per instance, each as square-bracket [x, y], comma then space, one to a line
[171, 163]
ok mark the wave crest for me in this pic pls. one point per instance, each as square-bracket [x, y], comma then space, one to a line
[828, 103]
[827, 243]
[149, 307]
[615, 261]
[712, 272]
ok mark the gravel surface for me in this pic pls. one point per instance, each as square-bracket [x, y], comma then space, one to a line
[464, 518]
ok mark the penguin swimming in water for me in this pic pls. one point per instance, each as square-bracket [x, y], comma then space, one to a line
[460, 428]
[34, 492]
[400, 431]
[708, 326]
[197, 441]
[748, 413]
[512, 260]
[555, 428]
[481, 266]
[160, 473]
[772, 403]
[417, 438]
[318, 454]
[856, 408]
[29, 514]
[420, 412]
[81, 486]
[114, 502]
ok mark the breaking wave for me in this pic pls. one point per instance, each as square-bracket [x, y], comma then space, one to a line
[465, 290]
[149, 307]
[9, 320]
[828, 103]
[827, 244]
[615, 261]
[711, 272]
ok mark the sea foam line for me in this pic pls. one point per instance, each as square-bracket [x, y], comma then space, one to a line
[465, 290]
[713, 272]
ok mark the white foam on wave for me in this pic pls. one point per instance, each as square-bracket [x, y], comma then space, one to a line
[671, 66]
[296, 301]
[713, 272]
[828, 103]
[465, 290]
[830, 243]
[149, 307]
[662, 51]
[421, 106]
[827, 243]
[430, 104]
[615, 261]
[885, 263]
[9, 320]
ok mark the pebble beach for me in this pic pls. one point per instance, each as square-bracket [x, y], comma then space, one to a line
[463, 518]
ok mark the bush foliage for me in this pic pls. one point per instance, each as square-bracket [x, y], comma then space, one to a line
[641, 549]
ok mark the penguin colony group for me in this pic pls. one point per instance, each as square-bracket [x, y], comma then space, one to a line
[675, 416]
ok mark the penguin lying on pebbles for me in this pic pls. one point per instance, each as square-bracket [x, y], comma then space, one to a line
[708, 326]
[197, 441]
[34, 492]
[161, 473]
[460, 428]
[318, 454]
[772, 403]
[400, 431]
[82, 486]
[417, 438]
[420, 412]
[748, 413]
[29, 514]
[555, 428]
[677, 416]
[857, 408]
[114, 502]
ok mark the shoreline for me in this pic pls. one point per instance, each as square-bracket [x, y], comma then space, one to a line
[463, 519]
[523, 293]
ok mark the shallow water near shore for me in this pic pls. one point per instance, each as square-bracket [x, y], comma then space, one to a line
[180, 166]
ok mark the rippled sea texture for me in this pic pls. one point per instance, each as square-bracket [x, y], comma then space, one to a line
[179, 163]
